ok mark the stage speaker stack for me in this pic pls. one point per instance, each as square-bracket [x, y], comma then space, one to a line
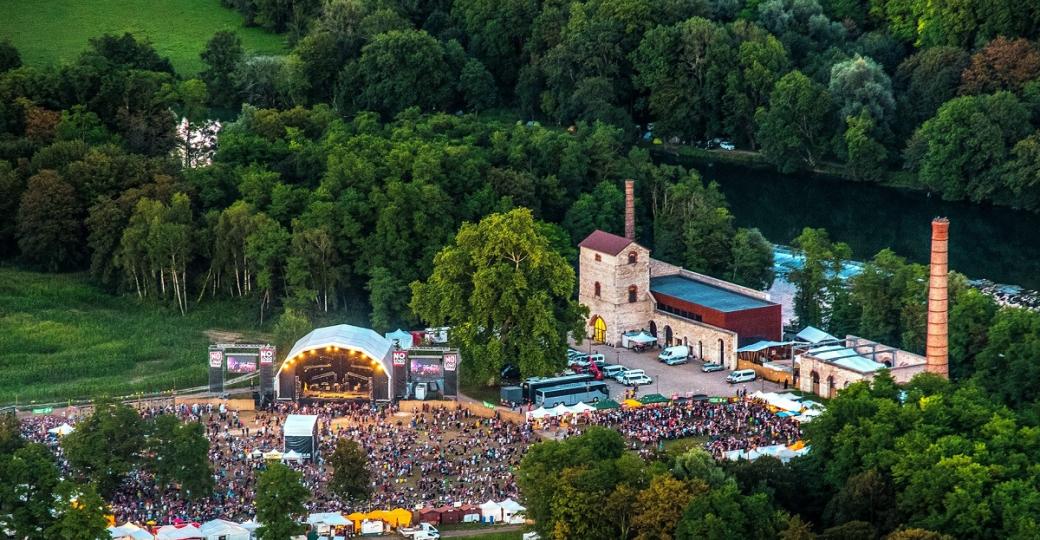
[216, 370]
[267, 373]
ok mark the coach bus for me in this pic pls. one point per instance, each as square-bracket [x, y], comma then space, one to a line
[530, 386]
[572, 394]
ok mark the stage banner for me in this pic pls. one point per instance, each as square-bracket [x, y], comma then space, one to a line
[216, 359]
[400, 358]
[451, 361]
[266, 356]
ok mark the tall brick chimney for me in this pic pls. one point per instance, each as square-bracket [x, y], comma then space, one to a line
[630, 209]
[937, 345]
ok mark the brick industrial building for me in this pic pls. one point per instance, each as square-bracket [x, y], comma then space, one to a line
[627, 290]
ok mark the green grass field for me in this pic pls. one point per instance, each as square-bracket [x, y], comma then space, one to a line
[55, 31]
[61, 338]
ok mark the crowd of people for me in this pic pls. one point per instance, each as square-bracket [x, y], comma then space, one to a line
[430, 457]
[734, 425]
[433, 457]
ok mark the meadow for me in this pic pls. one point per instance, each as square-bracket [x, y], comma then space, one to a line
[62, 338]
[55, 31]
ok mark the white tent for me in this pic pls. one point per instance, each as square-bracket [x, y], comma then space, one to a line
[250, 525]
[540, 412]
[62, 430]
[333, 519]
[129, 531]
[187, 532]
[582, 407]
[273, 455]
[512, 511]
[560, 409]
[491, 512]
[777, 401]
[220, 529]
[641, 338]
[301, 433]
[292, 455]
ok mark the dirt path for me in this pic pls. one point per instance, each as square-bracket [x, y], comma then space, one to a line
[480, 532]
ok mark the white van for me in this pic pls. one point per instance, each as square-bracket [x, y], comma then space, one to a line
[628, 374]
[741, 375]
[675, 352]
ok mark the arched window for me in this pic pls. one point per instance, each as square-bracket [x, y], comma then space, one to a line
[599, 329]
[815, 382]
[598, 258]
[722, 351]
[632, 257]
[667, 336]
[632, 294]
[595, 287]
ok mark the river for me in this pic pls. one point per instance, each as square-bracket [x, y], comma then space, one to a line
[986, 242]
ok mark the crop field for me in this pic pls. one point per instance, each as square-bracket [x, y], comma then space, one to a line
[54, 31]
[62, 338]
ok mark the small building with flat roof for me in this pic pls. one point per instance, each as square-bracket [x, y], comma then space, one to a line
[829, 365]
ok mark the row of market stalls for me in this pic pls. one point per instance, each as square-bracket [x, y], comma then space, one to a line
[790, 405]
[584, 408]
[333, 524]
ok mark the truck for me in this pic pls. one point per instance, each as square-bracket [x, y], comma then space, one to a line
[422, 531]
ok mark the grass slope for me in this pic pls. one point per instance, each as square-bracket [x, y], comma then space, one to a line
[62, 338]
[55, 31]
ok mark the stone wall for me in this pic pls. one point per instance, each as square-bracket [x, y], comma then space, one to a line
[698, 336]
[841, 377]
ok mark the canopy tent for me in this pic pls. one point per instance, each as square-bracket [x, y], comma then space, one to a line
[651, 399]
[332, 519]
[292, 455]
[61, 430]
[129, 531]
[356, 518]
[777, 451]
[631, 339]
[632, 403]
[173, 532]
[607, 404]
[402, 517]
[301, 434]
[560, 409]
[401, 338]
[491, 512]
[273, 455]
[220, 529]
[250, 525]
[512, 511]
[777, 401]
[582, 407]
[540, 412]
[762, 345]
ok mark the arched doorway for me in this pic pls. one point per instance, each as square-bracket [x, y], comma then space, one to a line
[830, 387]
[722, 351]
[815, 383]
[653, 328]
[667, 336]
[700, 350]
[599, 330]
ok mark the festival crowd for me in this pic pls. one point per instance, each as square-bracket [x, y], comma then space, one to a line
[432, 457]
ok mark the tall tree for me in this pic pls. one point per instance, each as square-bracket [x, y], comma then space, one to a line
[49, 225]
[222, 54]
[497, 31]
[106, 445]
[280, 499]
[178, 454]
[818, 277]
[752, 260]
[860, 85]
[79, 513]
[29, 480]
[506, 295]
[924, 82]
[602, 209]
[793, 129]
[350, 474]
[1003, 64]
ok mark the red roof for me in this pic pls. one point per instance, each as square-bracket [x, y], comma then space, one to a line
[604, 242]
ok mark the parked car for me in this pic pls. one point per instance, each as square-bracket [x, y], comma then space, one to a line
[677, 360]
[422, 531]
[676, 351]
[712, 367]
[637, 380]
[740, 376]
[726, 145]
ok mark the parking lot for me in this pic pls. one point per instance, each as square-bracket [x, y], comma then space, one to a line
[669, 380]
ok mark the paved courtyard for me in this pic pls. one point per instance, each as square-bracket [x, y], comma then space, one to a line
[668, 380]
